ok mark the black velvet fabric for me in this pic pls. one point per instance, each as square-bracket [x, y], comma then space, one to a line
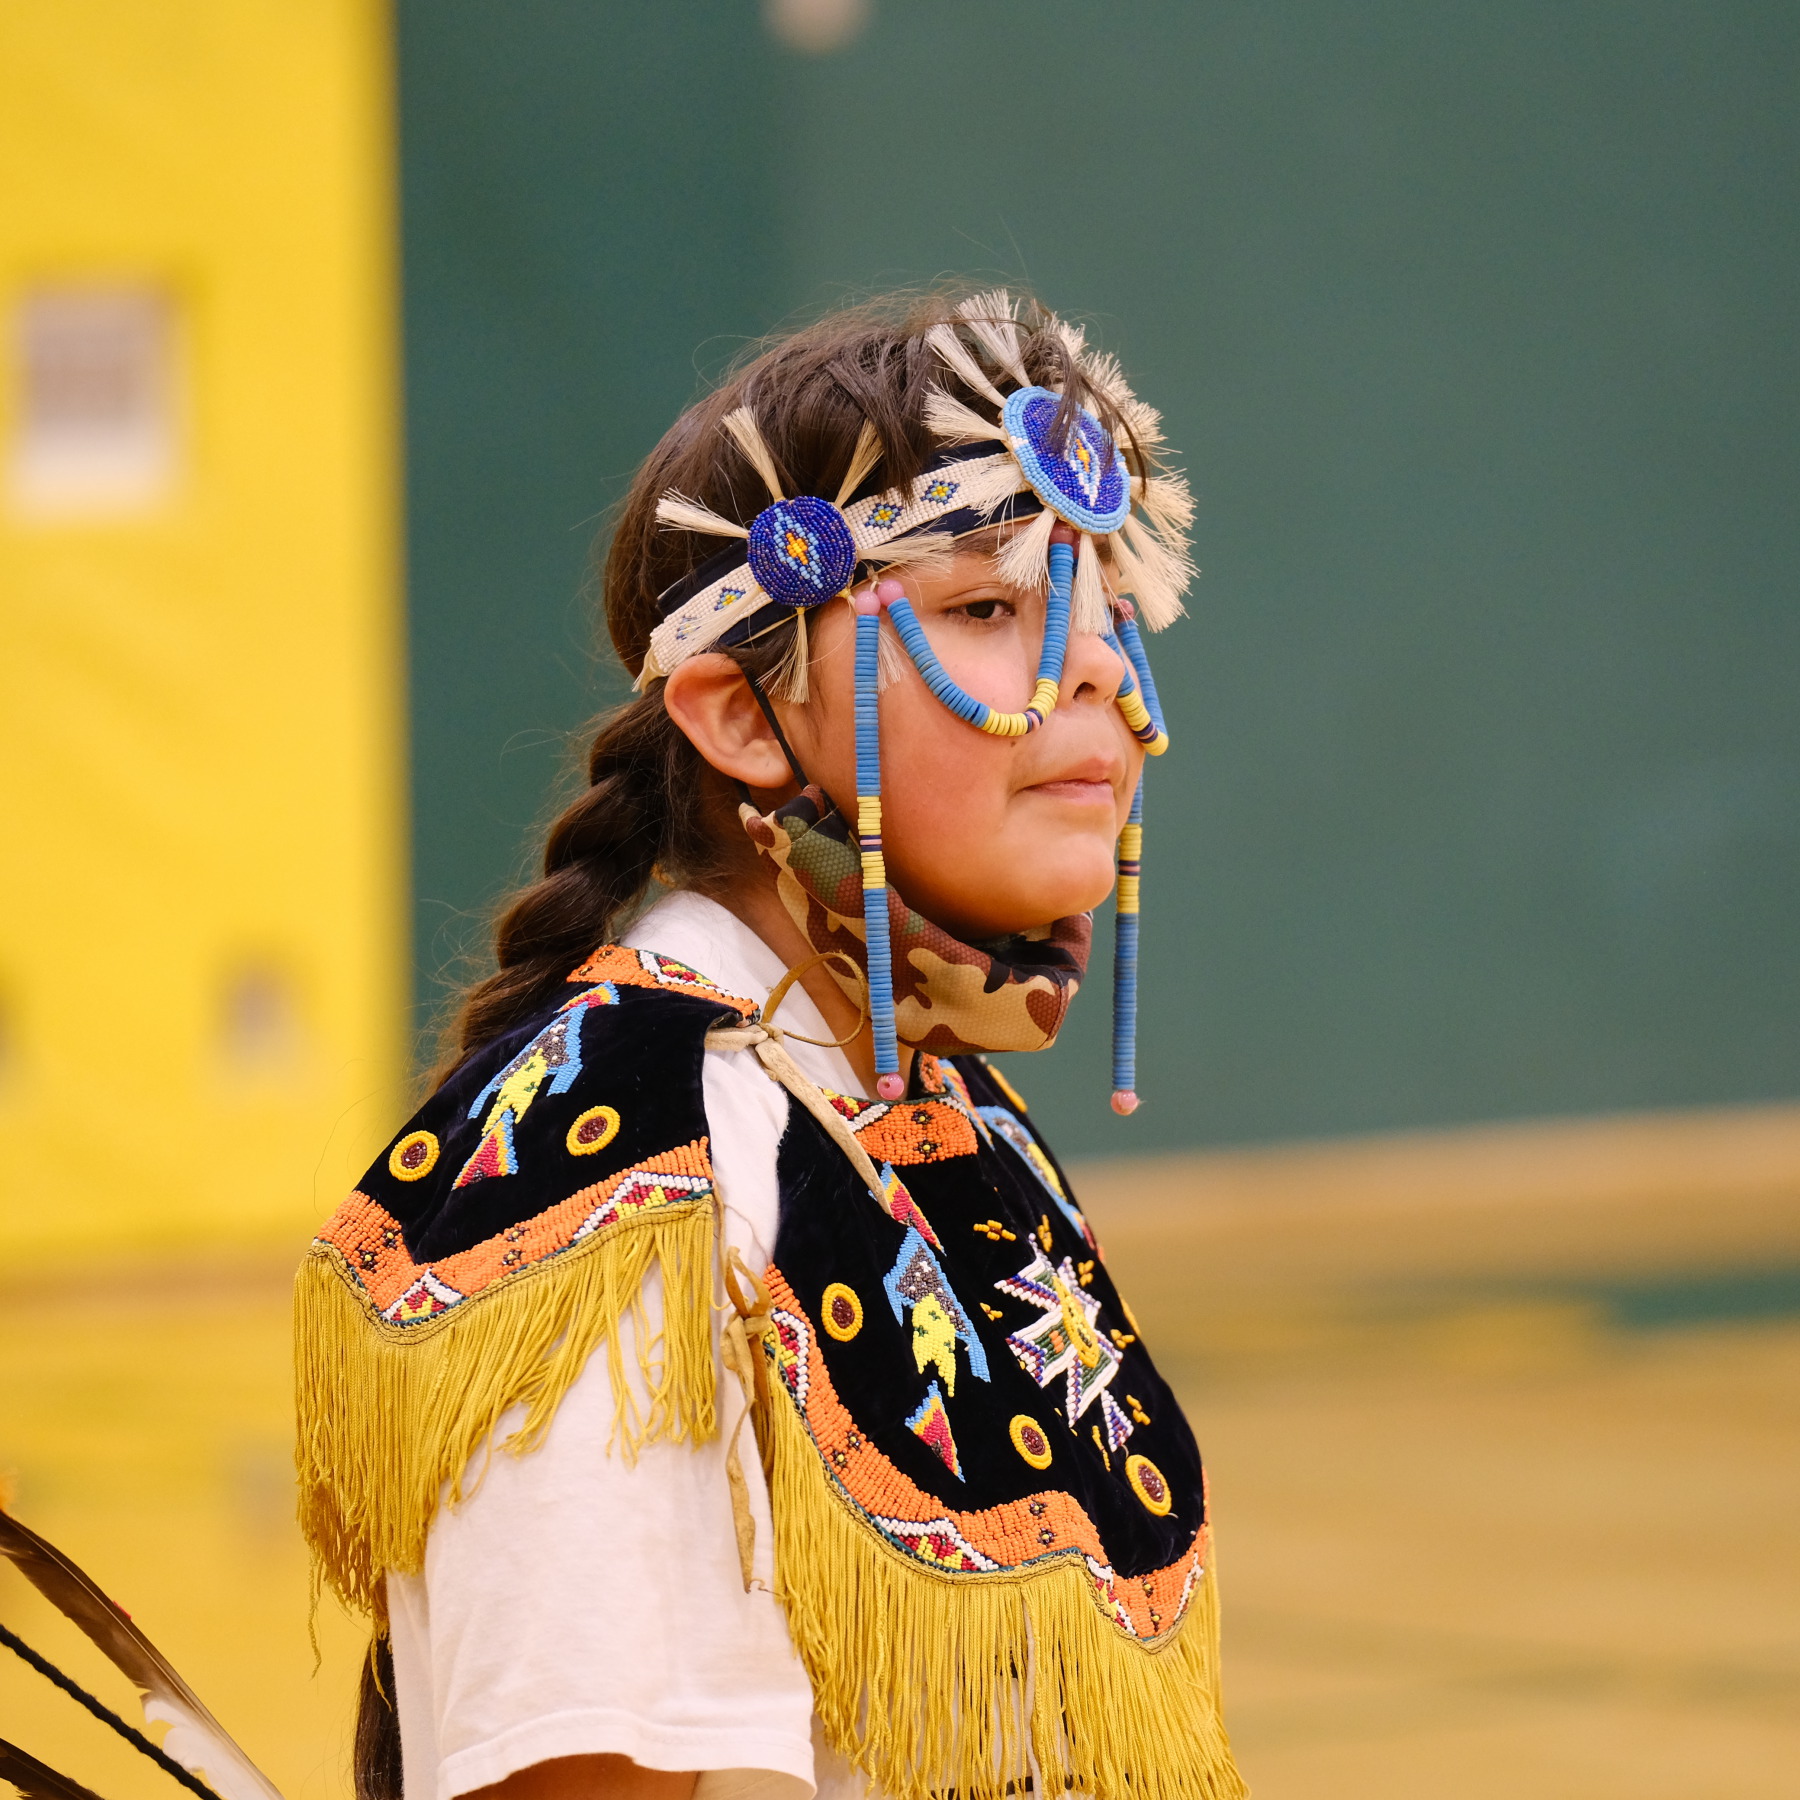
[832, 1230]
[640, 1056]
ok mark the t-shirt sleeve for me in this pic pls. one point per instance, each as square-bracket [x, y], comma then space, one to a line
[581, 1602]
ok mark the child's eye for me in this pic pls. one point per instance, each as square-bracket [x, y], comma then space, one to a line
[985, 609]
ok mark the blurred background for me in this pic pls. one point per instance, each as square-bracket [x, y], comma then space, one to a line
[1465, 1198]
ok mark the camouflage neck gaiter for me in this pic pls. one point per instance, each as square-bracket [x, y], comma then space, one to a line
[949, 997]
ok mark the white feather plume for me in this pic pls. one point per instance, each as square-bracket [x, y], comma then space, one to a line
[948, 419]
[991, 317]
[749, 438]
[689, 515]
[1024, 559]
[1168, 504]
[1089, 603]
[1107, 378]
[991, 487]
[921, 551]
[954, 354]
[792, 678]
[892, 662]
[1142, 421]
[864, 458]
[1156, 576]
[1074, 338]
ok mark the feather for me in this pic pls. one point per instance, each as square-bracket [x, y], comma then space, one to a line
[1158, 577]
[1074, 338]
[1089, 602]
[1168, 504]
[1143, 422]
[991, 317]
[792, 678]
[984, 489]
[36, 1780]
[195, 1738]
[1023, 561]
[749, 439]
[948, 419]
[923, 551]
[863, 458]
[954, 354]
[892, 662]
[1107, 378]
[689, 515]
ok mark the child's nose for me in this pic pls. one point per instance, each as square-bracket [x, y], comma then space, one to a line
[1092, 669]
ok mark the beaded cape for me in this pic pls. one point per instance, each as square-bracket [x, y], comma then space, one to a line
[991, 1536]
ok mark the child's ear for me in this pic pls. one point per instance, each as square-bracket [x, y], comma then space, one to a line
[711, 702]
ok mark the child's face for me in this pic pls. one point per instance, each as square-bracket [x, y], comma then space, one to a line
[983, 835]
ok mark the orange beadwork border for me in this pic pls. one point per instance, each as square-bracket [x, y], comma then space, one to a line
[651, 969]
[1043, 1530]
[939, 1124]
[403, 1292]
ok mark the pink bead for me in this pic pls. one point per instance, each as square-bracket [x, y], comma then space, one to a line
[888, 591]
[890, 1087]
[1124, 1102]
[865, 602]
[1062, 534]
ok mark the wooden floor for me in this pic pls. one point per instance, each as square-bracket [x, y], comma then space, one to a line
[1503, 1428]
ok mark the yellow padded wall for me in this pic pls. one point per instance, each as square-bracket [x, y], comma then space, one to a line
[200, 715]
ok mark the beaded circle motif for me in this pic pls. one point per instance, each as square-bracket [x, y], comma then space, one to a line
[801, 551]
[1083, 483]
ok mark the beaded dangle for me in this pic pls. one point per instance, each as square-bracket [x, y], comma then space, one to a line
[876, 938]
[1128, 642]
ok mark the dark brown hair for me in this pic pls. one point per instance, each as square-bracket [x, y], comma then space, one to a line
[644, 814]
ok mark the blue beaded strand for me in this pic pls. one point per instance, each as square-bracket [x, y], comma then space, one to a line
[1050, 661]
[1133, 641]
[888, 1084]
[1125, 958]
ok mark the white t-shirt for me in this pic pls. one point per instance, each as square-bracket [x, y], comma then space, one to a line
[578, 1602]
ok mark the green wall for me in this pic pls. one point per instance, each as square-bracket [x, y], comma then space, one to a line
[1475, 326]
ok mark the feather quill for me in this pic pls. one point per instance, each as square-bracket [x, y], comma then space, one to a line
[689, 515]
[1107, 377]
[991, 317]
[1024, 562]
[36, 1780]
[947, 418]
[749, 439]
[1074, 338]
[1089, 603]
[1158, 576]
[954, 354]
[921, 551]
[792, 680]
[892, 662]
[864, 458]
[1168, 504]
[195, 1738]
[988, 488]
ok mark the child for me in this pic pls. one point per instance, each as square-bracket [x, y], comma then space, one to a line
[878, 592]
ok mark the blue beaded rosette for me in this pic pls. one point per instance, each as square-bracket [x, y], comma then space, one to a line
[1083, 480]
[801, 551]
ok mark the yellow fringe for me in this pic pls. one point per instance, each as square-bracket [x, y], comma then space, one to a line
[935, 1684]
[390, 1417]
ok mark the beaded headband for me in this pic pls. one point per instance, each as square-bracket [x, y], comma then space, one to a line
[1064, 484]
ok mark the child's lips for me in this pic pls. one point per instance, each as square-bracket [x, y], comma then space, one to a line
[1082, 790]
